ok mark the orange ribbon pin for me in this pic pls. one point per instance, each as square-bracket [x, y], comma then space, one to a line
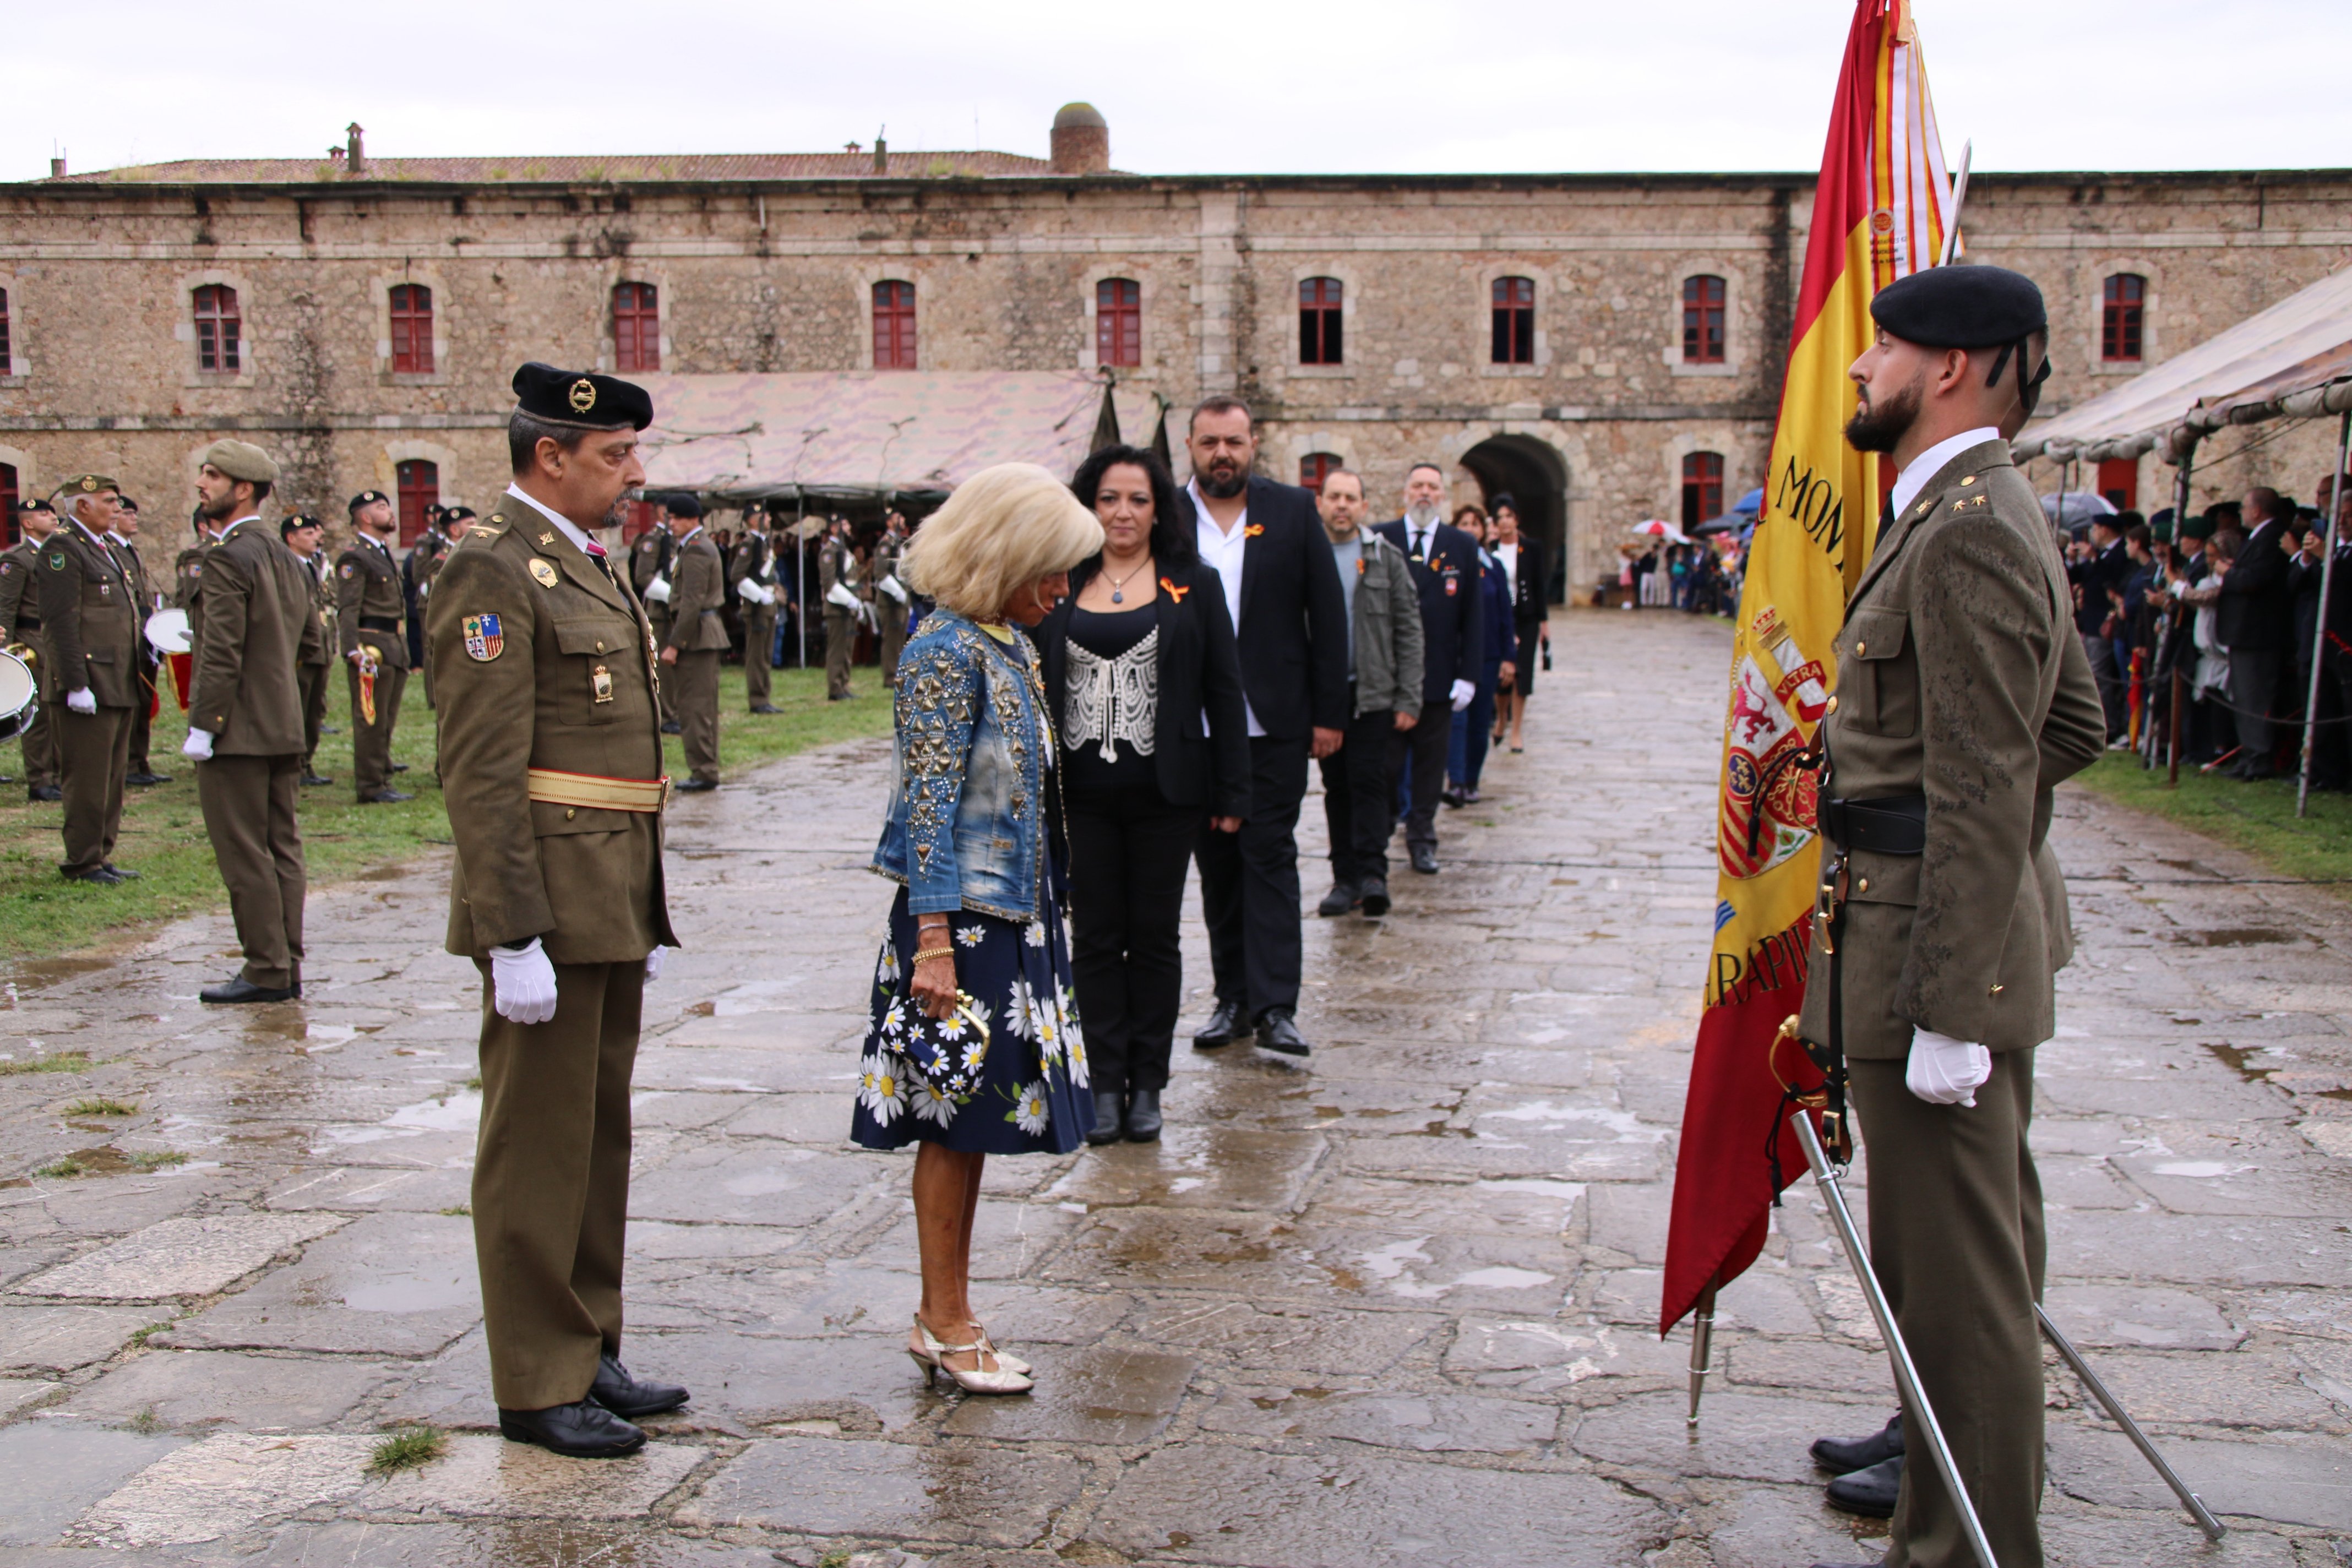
[1172, 590]
[1251, 530]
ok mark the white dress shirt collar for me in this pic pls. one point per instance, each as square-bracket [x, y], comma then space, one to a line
[1923, 467]
[568, 529]
[222, 537]
[1224, 552]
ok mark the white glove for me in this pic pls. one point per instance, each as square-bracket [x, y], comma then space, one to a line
[658, 591]
[81, 700]
[1945, 1071]
[198, 746]
[753, 593]
[839, 594]
[892, 586]
[522, 983]
[654, 964]
[1464, 690]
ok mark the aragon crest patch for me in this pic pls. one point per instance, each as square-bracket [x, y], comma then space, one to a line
[484, 640]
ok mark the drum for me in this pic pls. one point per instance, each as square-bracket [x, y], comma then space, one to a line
[20, 697]
[167, 631]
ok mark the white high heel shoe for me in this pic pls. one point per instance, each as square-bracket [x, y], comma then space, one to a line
[928, 1353]
[1009, 1362]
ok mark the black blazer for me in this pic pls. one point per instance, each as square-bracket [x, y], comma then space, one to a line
[2256, 611]
[1293, 637]
[1450, 613]
[1528, 588]
[1197, 668]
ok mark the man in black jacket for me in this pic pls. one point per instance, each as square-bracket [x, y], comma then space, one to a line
[1266, 542]
[2097, 579]
[2254, 619]
[1444, 562]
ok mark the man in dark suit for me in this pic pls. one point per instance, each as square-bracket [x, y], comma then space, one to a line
[2097, 579]
[1444, 562]
[2256, 615]
[1266, 542]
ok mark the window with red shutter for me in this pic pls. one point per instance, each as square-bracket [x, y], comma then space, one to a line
[1703, 297]
[1316, 466]
[218, 329]
[9, 534]
[1320, 339]
[2120, 323]
[894, 326]
[1515, 320]
[1118, 321]
[2119, 482]
[636, 326]
[1702, 488]
[412, 329]
[416, 484]
[4, 360]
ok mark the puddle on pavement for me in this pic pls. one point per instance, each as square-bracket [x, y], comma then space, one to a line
[2235, 936]
[48, 971]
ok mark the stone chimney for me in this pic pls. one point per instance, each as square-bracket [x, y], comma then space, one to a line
[881, 156]
[355, 153]
[57, 168]
[1081, 141]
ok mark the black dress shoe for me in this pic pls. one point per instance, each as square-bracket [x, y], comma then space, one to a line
[1225, 1026]
[385, 798]
[1451, 796]
[242, 990]
[1110, 1111]
[400, 767]
[635, 1398]
[1342, 898]
[839, 696]
[673, 727]
[316, 779]
[1869, 1493]
[1843, 1456]
[697, 786]
[44, 791]
[142, 778]
[97, 876]
[123, 872]
[767, 707]
[1376, 896]
[1278, 1031]
[586, 1431]
[1425, 859]
[1143, 1116]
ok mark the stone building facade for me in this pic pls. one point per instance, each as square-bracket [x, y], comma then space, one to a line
[379, 306]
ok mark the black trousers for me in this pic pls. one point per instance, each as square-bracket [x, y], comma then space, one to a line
[2253, 686]
[1128, 851]
[1249, 883]
[1358, 796]
[1425, 744]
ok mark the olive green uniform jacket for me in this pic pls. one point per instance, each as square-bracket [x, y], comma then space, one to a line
[254, 626]
[1959, 678]
[367, 585]
[90, 619]
[698, 588]
[188, 575]
[20, 600]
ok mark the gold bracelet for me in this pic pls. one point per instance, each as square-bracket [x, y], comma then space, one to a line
[925, 955]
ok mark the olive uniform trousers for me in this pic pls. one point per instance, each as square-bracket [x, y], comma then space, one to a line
[249, 805]
[93, 754]
[840, 640]
[371, 743]
[759, 647]
[891, 617]
[1956, 1237]
[552, 1181]
[140, 720]
[313, 678]
[40, 740]
[695, 680]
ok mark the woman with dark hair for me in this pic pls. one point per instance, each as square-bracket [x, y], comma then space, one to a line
[1142, 647]
[1520, 555]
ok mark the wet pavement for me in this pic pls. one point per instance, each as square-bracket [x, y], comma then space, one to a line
[1392, 1305]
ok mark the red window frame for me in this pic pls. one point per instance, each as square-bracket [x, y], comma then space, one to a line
[1515, 320]
[8, 530]
[415, 484]
[640, 519]
[5, 358]
[2119, 481]
[1703, 312]
[2123, 319]
[636, 326]
[1321, 331]
[1702, 488]
[220, 327]
[894, 325]
[1316, 466]
[412, 329]
[1118, 321]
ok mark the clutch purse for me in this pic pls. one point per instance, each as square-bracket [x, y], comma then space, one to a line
[948, 1052]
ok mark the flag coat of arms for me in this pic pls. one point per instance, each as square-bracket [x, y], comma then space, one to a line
[1879, 213]
[483, 639]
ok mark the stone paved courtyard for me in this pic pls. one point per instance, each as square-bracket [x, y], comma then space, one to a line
[1394, 1306]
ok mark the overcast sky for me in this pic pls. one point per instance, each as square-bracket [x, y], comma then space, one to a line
[1276, 86]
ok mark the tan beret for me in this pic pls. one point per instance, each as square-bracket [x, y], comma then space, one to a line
[240, 460]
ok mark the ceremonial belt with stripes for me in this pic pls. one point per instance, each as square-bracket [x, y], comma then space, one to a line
[597, 792]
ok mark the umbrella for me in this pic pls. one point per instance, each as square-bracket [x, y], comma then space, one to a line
[2069, 508]
[1658, 527]
[1742, 513]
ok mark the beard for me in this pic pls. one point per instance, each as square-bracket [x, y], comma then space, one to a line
[1421, 514]
[1881, 427]
[1223, 481]
[219, 511]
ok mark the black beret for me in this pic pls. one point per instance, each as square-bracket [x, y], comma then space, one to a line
[300, 519]
[127, 504]
[367, 497]
[452, 513]
[581, 398]
[1965, 306]
[682, 503]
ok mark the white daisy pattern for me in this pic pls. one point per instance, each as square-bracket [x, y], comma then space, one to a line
[884, 1087]
[970, 935]
[1035, 935]
[1021, 1011]
[885, 972]
[1030, 1111]
[931, 1105]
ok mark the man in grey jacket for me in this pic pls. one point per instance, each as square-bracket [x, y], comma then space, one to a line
[1384, 676]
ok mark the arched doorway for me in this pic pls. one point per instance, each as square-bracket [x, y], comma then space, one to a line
[1536, 479]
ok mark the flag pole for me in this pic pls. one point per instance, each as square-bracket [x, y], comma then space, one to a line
[1702, 1346]
[2334, 535]
[1960, 198]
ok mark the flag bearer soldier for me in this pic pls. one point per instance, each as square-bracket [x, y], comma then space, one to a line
[255, 629]
[20, 624]
[696, 639]
[551, 759]
[889, 595]
[1964, 699]
[123, 539]
[753, 573]
[370, 621]
[304, 536]
[649, 574]
[91, 626]
[849, 603]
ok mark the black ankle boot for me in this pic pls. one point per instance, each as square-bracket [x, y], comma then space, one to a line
[1143, 1116]
[1109, 1113]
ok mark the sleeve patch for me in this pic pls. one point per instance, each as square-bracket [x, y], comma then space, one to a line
[484, 639]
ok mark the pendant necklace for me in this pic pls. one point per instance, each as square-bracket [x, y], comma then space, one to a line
[1118, 583]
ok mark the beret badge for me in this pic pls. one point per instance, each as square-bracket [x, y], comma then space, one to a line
[582, 395]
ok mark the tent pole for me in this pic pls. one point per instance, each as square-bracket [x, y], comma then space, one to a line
[800, 566]
[2319, 636]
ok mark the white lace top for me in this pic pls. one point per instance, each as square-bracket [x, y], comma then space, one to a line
[1110, 700]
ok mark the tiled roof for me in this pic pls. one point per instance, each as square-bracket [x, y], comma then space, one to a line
[575, 170]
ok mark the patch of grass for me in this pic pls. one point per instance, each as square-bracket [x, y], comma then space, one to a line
[146, 1423]
[62, 1170]
[474, 1082]
[100, 1105]
[154, 1159]
[837, 1558]
[42, 916]
[55, 1061]
[408, 1449]
[149, 1332]
[458, 1211]
[2258, 819]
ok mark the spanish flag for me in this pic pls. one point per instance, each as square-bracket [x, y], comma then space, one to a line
[1880, 213]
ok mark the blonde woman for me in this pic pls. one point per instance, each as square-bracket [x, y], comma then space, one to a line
[976, 954]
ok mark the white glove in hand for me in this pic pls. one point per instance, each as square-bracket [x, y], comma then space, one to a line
[82, 701]
[654, 964]
[658, 591]
[198, 746]
[1946, 1071]
[892, 586]
[522, 983]
[839, 594]
[750, 593]
[1463, 691]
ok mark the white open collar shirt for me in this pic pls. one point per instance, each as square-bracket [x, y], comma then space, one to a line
[1223, 551]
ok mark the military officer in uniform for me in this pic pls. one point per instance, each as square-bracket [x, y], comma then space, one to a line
[551, 758]
[697, 638]
[372, 624]
[91, 626]
[1964, 699]
[255, 629]
[889, 595]
[20, 624]
[650, 565]
[188, 567]
[849, 602]
[305, 535]
[124, 541]
[753, 573]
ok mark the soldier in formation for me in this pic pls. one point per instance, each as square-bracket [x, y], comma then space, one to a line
[90, 625]
[697, 638]
[20, 629]
[372, 623]
[649, 569]
[848, 595]
[123, 539]
[753, 573]
[890, 598]
[305, 536]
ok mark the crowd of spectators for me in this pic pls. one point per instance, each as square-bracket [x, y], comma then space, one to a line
[1697, 576]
